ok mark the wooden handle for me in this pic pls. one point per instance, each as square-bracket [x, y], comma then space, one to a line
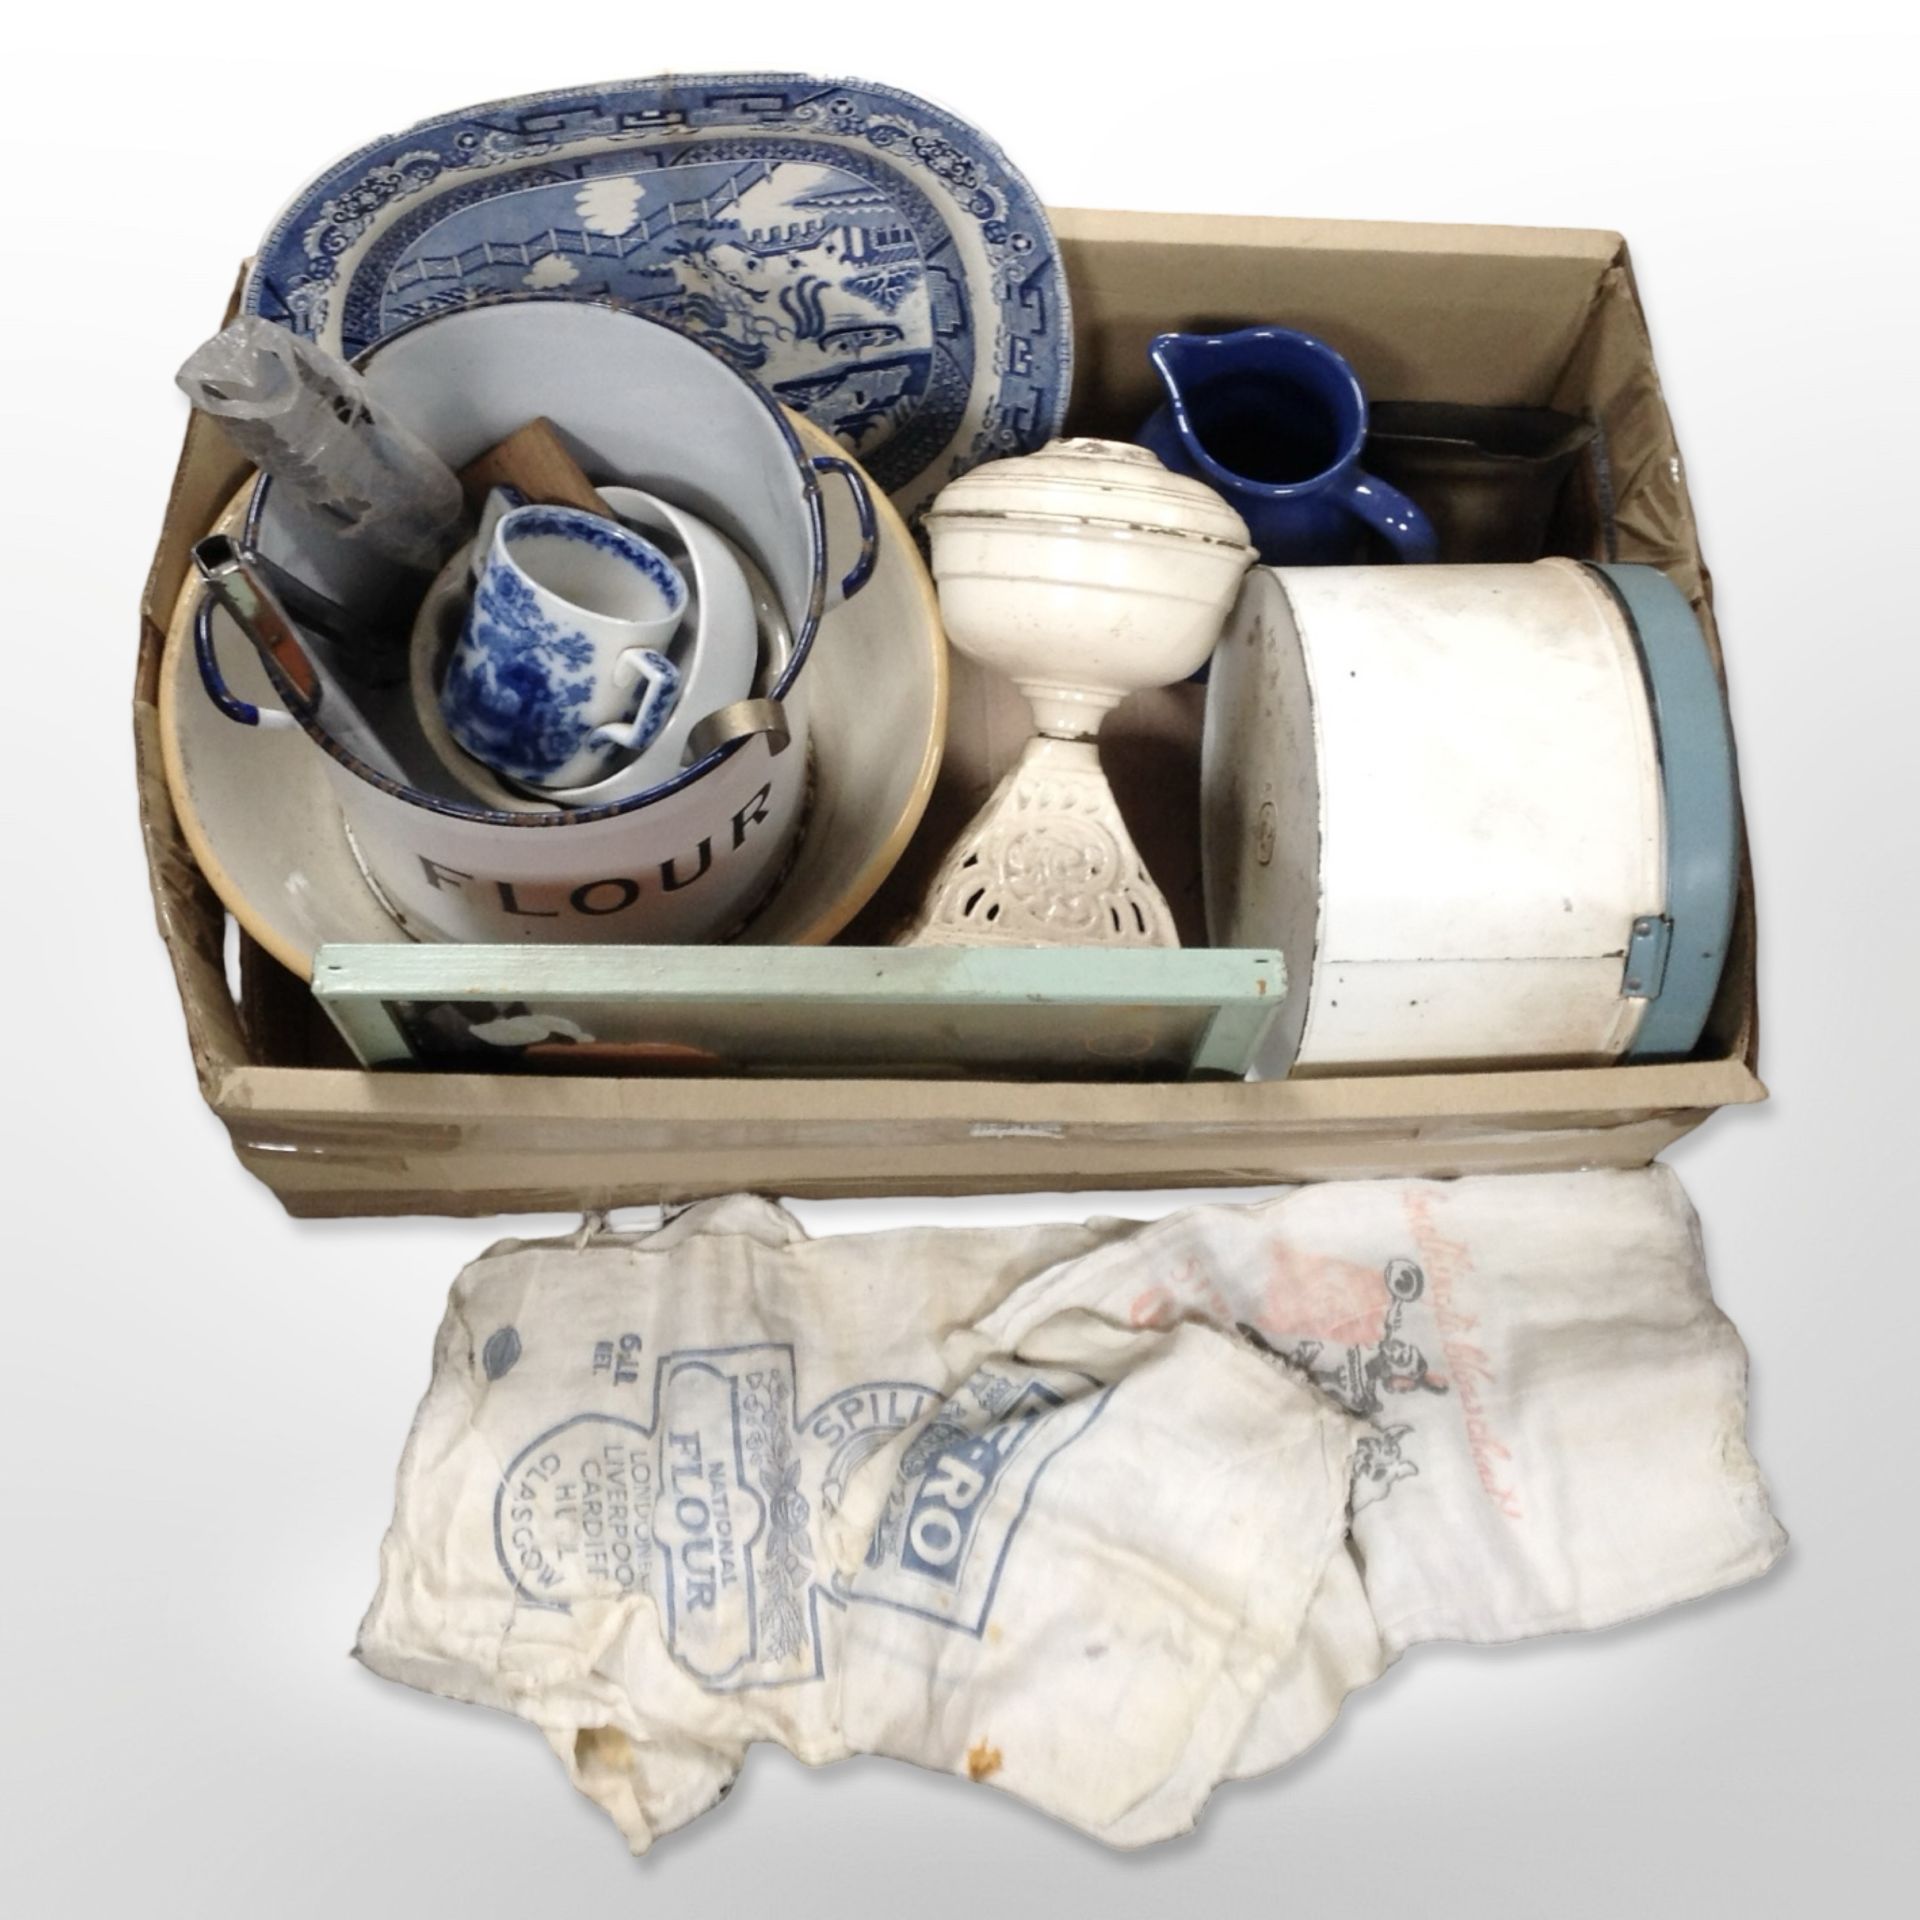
[535, 459]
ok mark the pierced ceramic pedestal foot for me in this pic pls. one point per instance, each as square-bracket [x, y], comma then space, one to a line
[1047, 862]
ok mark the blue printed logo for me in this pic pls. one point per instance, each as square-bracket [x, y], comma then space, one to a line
[958, 1488]
[964, 1484]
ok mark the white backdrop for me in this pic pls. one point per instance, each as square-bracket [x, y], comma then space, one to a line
[203, 1402]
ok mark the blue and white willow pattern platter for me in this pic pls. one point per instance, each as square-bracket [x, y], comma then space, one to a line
[873, 261]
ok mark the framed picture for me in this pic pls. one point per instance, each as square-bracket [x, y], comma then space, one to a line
[1052, 1012]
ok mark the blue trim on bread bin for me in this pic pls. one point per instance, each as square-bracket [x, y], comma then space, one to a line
[1695, 742]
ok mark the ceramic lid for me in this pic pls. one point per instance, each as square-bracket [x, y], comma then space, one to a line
[1106, 483]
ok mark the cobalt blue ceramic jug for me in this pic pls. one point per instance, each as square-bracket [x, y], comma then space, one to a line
[1275, 421]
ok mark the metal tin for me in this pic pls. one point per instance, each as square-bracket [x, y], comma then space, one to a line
[1449, 797]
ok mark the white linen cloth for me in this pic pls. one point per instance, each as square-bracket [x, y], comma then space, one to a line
[603, 1516]
[1099, 1515]
[1557, 1408]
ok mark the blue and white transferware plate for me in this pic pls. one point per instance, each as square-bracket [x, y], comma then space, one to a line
[872, 260]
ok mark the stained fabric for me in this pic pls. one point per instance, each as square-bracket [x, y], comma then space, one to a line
[1099, 1516]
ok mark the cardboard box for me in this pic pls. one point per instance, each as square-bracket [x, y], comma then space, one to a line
[1504, 316]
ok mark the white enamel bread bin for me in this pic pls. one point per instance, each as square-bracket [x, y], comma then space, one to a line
[1487, 813]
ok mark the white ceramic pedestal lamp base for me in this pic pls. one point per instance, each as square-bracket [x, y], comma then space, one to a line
[1047, 862]
[1084, 572]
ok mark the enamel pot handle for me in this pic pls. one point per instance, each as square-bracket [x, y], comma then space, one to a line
[869, 525]
[242, 712]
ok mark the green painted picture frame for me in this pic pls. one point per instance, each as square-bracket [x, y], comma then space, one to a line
[1008, 1012]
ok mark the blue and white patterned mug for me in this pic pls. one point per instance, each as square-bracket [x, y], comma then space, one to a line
[558, 670]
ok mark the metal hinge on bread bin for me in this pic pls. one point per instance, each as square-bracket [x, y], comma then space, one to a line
[1647, 946]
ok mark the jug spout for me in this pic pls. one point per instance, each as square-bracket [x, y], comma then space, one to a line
[1180, 360]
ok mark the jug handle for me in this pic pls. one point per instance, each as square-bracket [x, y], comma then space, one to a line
[862, 570]
[1393, 516]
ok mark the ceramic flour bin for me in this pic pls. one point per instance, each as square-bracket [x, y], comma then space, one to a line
[691, 857]
[1486, 812]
